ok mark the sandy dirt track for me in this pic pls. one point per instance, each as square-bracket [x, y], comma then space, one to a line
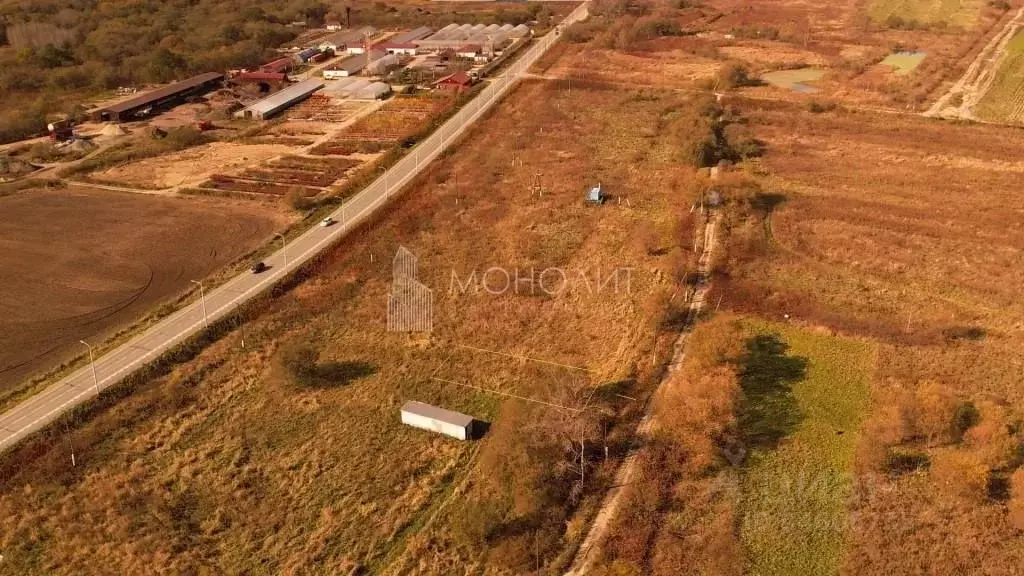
[81, 263]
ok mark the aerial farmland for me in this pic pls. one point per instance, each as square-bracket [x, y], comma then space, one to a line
[723, 287]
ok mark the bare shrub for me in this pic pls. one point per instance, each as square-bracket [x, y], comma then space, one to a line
[961, 474]
[296, 199]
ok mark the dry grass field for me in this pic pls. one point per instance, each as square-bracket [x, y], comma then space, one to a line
[854, 408]
[81, 263]
[625, 46]
[850, 404]
[956, 13]
[230, 465]
[899, 230]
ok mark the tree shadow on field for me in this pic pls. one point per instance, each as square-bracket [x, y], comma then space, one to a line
[333, 374]
[768, 410]
[767, 202]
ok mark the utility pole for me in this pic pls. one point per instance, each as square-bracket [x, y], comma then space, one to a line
[582, 467]
[67, 432]
[284, 248]
[202, 297]
[92, 363]
[604, 439]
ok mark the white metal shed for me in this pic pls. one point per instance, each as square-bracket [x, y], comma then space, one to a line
[447, 422]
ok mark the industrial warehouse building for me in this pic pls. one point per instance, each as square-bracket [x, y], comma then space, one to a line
[167, 96]
[353, 65]
[357, 88]
[453, 36]
[411, 35]
[427, 417]
[280, 101]
[380, 66]
[348, 40]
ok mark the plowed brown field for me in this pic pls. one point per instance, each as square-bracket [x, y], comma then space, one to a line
[80, 264]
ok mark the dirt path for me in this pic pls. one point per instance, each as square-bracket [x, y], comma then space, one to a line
[975, 82]
[588, 552]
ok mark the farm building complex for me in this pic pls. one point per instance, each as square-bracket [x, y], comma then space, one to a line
[447, 422]
[280, 101]
[169, 95]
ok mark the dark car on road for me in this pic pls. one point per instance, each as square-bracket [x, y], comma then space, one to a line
[258, 267]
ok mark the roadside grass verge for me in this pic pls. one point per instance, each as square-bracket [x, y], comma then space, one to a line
[806, 394]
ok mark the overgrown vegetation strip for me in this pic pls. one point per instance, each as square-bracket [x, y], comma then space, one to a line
[589, 551]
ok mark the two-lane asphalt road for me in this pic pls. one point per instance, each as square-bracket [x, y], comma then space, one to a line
[43, 408]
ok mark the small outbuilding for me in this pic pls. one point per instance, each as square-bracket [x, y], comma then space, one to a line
[469, 51]
[447, 422]
[596, 195]
[458, 81]
[304, 55]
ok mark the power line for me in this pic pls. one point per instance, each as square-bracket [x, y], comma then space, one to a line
[518, 357]
[510, 395]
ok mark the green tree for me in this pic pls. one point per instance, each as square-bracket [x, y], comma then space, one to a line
[164, 65]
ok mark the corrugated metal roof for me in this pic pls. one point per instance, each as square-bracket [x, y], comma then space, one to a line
[286, 96]
[414, 34]
[373, 91]
[352, 36]
[269, 76]
[340, 84]
[346, 85]
[161, 93]
[428, 411]
[357, 62]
